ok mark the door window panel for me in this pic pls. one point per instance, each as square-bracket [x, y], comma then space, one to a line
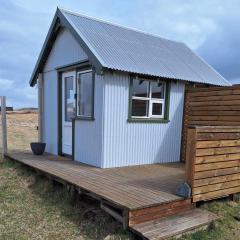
[85, 94]
[69, 98]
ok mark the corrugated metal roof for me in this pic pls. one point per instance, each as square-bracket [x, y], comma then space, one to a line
[119, 48]
[124, 49]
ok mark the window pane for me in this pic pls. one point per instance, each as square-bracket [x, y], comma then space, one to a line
[158, 89]
[69, 99]
[85, 94]
[140, 88]
[157, 109]
[139, 108]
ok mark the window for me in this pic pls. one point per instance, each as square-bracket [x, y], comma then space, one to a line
[148, 99]
[69, 98]
[85, 87]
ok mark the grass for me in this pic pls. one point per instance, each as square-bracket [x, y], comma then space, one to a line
[227, 228]
[32, 207]
[21, 130]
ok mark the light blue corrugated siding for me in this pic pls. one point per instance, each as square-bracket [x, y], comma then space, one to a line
[65, 50]
[139, 143]
[88, 134]
[50, 115]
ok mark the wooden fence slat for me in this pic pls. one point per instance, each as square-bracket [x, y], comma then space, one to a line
[216, 172]
[216, 194]
[201, 88]
[214, 98]
[214, 180]
[217, 151]
[217, 165]
[217, 158]
[215, 187]
[216, 103]
[214, 113]
[218, 143]
[214, 118]
[208, 93]
[213, 123]
[218, 136]
[213, 108]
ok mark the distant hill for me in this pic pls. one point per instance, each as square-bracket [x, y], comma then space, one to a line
[27, 109]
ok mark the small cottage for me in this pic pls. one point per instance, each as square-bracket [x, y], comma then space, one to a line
[110, 96]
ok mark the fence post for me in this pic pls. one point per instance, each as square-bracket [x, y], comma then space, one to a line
[190, 155]
[4, 125]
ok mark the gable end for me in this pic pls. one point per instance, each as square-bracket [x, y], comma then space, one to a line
[58, 22]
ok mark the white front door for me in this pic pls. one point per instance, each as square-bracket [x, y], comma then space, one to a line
[68, 110]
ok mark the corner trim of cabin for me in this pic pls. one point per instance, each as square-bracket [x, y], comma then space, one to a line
[40, 106]
[59, 103]
[163, 120]
[73, 139]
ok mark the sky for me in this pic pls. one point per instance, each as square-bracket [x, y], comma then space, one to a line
[209, 28]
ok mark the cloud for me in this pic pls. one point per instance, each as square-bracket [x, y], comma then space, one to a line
[235, 81]
[222, 50]
[5, 84]
[209, 27]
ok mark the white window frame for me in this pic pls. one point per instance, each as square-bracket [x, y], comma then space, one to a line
[78, 97]
[151, 100]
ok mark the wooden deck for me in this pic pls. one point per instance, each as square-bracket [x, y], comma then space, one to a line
[138, 196]
[130, 187]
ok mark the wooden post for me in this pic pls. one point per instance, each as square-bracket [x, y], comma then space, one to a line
[185, 123]
[4, 125]
[190, 155]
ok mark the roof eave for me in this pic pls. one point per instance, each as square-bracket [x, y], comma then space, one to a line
[226, 82]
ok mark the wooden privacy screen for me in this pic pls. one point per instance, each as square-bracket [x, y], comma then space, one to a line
[213, 161]
[210, 106]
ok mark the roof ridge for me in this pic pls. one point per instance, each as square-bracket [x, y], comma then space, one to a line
[115, 24]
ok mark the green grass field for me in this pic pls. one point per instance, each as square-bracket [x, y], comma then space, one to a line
[32, 207]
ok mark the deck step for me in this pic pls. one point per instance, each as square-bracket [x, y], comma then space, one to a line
[159, 211]
[174, 226]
